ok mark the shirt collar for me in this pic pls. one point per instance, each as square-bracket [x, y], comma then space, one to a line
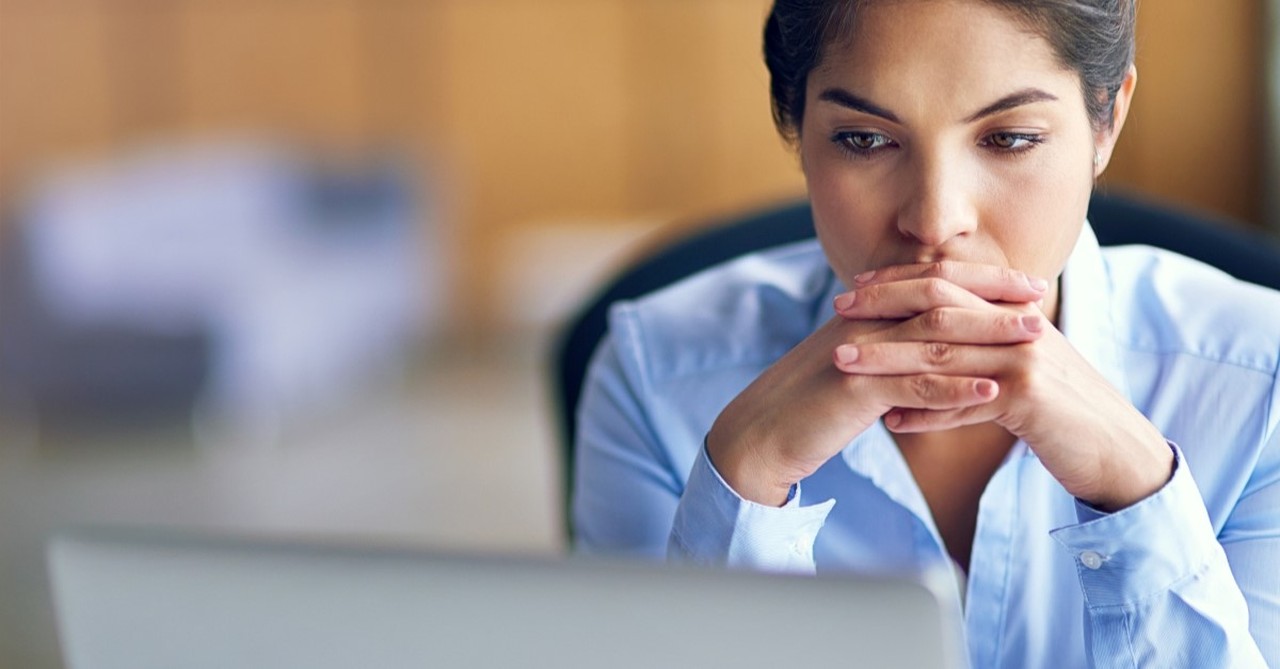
[1085, 313]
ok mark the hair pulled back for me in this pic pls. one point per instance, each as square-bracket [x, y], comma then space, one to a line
[1094, 38]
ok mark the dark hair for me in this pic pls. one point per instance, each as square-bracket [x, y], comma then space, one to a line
[1094, 38]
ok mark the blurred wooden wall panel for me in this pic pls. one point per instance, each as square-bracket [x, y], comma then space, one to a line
[296, 68]
[405, 58]
[533, 128]
[534, 96]
[702, 139]
[56, 86]
[1196, 134]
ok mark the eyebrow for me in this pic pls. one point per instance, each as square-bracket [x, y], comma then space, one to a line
[1025, 96]
[846, 99]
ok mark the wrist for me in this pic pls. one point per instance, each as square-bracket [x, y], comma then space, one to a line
[745, 471]
[1136, 478]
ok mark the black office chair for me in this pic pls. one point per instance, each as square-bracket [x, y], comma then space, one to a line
[1247, 255]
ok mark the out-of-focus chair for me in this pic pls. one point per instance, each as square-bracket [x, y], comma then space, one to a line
[1116, 219]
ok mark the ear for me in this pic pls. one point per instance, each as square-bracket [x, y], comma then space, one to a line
[1104, 141]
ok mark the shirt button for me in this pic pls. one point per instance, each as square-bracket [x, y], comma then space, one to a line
[798, 547]
[1091, 559]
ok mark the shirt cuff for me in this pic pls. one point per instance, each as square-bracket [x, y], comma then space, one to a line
[1133, 553]
[713, 525]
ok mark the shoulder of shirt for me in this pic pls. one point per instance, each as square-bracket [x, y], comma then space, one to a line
[1173, 304]
[748, 311]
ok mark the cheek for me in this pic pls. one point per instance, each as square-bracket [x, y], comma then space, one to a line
[849, 215]
[1035, 215]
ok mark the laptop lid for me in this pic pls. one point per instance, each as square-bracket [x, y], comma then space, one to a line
[140, 600]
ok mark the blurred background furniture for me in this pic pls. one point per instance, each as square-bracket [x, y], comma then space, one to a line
[246, 282]
[1116, 219]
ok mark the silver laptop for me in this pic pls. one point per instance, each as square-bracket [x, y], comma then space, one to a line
[143, 600]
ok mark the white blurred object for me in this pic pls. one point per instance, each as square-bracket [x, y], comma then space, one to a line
[549, 268]
[309, 281]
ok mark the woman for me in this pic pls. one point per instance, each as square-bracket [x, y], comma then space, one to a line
[955, 373]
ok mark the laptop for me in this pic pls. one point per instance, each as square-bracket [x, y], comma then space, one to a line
[130, 599]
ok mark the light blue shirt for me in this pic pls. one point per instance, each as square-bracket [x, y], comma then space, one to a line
[1189, 577]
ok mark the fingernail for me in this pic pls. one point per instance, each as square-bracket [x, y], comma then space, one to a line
[847, 354]
[864, 277]
[1037, 283]
[1032, 323]
[986, 388]
[892, 419]
[845, 301]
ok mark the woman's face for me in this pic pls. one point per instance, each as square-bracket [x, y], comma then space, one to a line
[946, 130]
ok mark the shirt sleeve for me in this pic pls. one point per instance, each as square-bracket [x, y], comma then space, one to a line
[629, 499]
[624, 495]
[1251, 541]
[713, 525]
[1158, 587]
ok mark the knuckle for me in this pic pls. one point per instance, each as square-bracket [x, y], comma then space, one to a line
[924, 387]
[1023, 371]
[852, 383]
[1030, 355]
[936, 269]
[936, 289]
[871, 294]
[938, 353]
[935, 320]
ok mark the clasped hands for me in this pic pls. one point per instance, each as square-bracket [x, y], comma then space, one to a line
[930, 347]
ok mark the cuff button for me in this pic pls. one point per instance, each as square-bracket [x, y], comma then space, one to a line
[1091, 559]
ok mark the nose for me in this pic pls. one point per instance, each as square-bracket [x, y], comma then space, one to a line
[940, 205]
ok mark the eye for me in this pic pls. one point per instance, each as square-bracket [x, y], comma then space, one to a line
[1012, 142]
[862, 144]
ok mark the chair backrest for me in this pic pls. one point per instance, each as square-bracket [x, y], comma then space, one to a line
[1116, 219]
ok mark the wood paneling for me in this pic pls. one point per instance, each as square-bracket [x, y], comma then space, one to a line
[1196, 133]
[699, 122]
[56, 86]
[280, 66]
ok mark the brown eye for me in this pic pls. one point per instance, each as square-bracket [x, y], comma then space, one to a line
[1004, 140]
[1012, 142]
[862, 143]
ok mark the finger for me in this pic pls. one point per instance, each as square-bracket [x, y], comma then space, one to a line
[932, 357]
[974, 346]
[990, 282]
[909, 421]
[905, 299]
[924, 391]
[966, 326]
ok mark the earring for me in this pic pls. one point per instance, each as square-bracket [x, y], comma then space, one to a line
[1097, 159]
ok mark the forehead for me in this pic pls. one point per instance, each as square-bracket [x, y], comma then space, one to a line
[939, 50]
